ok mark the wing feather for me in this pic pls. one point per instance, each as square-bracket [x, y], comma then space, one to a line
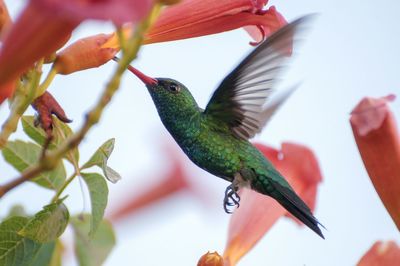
[241, 96]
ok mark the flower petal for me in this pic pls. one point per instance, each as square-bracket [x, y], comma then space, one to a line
[194, 18]
[273, 21]
[382, 254]
[44, 33]
[85, 53]
[5, 20]
[118, 11]
[375, 131]
[174, 181]
[257, 213]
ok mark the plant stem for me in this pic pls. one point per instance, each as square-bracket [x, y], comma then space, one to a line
[24, 95]
[65, 185]
[46, 83]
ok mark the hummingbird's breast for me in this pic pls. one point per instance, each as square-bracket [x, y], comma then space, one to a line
[215, 152]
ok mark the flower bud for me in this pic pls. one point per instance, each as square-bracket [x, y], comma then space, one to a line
[85, 53]
[211, 259]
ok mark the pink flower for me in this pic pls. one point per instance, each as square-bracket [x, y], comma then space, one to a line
[257, 213]
[375, 131]
[44, 26]
[194, 18]
[381, 254]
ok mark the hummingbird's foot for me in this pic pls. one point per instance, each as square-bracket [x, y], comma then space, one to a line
[231, 198]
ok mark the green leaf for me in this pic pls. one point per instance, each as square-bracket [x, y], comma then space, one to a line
[48, 224]
[36, 133]
[61, 132]
[92, 251]
[17, 210]
[22, 154]
[100, 159]
[49, 254]
[98, 191]
[110, 174]
[15, 249]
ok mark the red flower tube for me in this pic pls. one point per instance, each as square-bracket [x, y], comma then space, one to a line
[194, 18]
[375, 131]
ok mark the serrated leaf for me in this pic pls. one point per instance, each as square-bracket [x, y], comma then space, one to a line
[16, 250]
[61, 132]
[100, 159]
[49, 254]
[98, 191]
[22, 154]
[48, 224]
[92, 251]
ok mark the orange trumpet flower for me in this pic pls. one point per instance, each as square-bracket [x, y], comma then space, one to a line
[382, 254]
[375, 131]
[44, 26]
[194, 18]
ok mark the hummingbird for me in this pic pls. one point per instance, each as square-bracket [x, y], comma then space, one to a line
[217, 138]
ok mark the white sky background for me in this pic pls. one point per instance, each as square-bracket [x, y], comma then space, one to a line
[352, 51]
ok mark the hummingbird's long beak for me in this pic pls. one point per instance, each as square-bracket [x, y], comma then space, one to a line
[145, 79]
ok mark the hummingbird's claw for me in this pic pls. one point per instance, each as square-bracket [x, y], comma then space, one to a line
[231, 198]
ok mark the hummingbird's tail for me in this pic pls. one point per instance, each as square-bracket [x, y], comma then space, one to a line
[296, 206]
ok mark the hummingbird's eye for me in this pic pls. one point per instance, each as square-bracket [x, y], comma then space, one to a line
[174, 88]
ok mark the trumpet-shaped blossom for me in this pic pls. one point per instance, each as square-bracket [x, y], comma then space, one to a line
[381, 254]
[375, 131]
[118, 11]
[44, 26]
[174, 182]
[194, 18]
[258, 213]
[85, 53]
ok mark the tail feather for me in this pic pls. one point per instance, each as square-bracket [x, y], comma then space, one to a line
[296, 206]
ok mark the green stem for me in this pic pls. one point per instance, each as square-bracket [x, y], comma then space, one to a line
[65, 185]
[24, 95]
[46, 83]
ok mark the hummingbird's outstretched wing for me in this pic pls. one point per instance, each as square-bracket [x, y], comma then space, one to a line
[239, 99]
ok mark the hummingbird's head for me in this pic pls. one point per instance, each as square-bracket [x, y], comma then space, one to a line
[172, 99]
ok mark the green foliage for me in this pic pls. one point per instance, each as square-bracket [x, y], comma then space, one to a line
[14, 248]
[48, 224]
[100, 159]
[61, 132]
[98, 197]
[22, 154]
[92, 251]
[16, 210]
[49, 254]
